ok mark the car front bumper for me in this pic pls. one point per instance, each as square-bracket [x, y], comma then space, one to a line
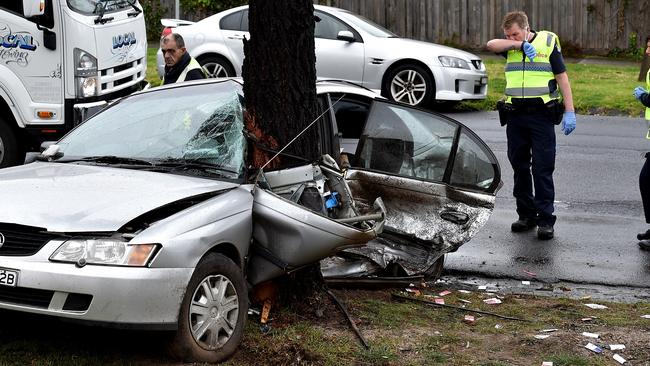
[460, 84]
[118, 296]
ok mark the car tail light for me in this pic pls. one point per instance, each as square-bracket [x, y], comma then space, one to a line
[167, 31]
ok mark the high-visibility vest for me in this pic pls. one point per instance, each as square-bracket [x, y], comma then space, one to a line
[647, 110]
[525, 79]
[193, 65]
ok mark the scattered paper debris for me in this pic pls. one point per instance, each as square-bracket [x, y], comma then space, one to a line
[439, 300]
[465, 301]
[619, 359]
[527, 283]
[464, 292]
[547, 363]
[414, 291]
[587, 319]
[531, 274]
[482, 287]
[498, 326]
[590, 335]
[492, 301]
[469, 319]
[645, 316]
[593, 347]
[550, 330]
[596, 306]
[445, 293]
[616, 347]
[542, 336]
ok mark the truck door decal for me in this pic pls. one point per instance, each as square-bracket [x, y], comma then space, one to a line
[15, 47]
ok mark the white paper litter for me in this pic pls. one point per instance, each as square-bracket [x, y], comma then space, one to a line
[593, 347]
[596, 306]
[464, 292]
[619, 359]
[616, 347]
[492, 301]
[590, 335]
[482, 287]
[645, 316]
[542, 336]
[527, 283]
[549, 330]
[547, 363]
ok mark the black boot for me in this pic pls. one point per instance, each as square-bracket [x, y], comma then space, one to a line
[522, 225]
[643, 236]
[545, 232]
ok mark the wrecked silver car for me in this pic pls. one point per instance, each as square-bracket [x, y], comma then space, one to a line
[145, 214]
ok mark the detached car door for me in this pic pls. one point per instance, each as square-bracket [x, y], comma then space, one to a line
[438, 180]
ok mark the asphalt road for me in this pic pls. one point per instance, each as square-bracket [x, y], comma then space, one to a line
[598, 206]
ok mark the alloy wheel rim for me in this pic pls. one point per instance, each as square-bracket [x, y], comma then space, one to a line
[215, 70]
[213, 312]
[409, 87]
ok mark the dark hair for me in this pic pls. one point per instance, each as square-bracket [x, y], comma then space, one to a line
[178, 39]
[515, 17]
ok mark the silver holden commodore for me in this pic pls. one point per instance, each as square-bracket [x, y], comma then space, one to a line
[145, 215]
[348, 47]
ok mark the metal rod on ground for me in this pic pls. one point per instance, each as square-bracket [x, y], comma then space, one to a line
[398, 296]
[347, 315]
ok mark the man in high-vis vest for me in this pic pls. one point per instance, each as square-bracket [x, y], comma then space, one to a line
[643, 96]
[537, 96]
[179, 65]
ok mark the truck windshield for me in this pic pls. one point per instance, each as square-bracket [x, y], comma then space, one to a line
[94, 6]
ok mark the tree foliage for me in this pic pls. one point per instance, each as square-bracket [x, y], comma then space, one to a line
[153, 12]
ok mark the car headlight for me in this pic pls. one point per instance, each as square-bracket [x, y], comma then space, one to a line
[85, 73]
[106, 251]
[455, 62]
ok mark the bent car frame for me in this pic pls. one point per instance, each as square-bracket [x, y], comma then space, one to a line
[145, 215]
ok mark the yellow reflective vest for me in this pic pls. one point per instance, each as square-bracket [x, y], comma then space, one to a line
[193, 65]
[647, 87]
[525, 79]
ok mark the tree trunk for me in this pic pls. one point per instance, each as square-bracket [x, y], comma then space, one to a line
[279, 80]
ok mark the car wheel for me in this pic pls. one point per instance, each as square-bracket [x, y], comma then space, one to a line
[410, 84]
[216, 67]
[213, 312]
[434, 272]
[10, 153]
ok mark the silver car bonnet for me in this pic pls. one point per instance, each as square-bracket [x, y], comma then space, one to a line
[80, 198]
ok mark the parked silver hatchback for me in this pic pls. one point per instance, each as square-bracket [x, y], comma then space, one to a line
[348, 47]
[146, 214]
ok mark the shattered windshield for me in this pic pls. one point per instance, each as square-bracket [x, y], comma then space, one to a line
[192, 124]
[93, 6]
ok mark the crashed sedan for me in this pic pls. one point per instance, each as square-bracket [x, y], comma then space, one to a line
[146, 215]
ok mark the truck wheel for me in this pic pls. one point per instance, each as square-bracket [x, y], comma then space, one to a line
[216, 66]
[10, 153]
[213, 312]
[410, 84]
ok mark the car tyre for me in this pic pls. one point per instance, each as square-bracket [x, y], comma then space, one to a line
[410, 84]
[213, 312]
[10, 153]
[216, 66]
[434, 272]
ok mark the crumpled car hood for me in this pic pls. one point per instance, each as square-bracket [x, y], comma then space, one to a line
[78, 198]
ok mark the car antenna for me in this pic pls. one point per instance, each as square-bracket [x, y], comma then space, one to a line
[298, 135]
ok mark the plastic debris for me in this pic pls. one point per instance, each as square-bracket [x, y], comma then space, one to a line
[527, 283]
[445, 293]
[492, 301]
[529, 273]
[439, 300]
[590, 335]
[616, 347]
[550, 330]
[596, 306]
[645, 316]
[469, 319]
[547, 363]
[542, 336]
[593, 347]
[498, 326]
[619, 359]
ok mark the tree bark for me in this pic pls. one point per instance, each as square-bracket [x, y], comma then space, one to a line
[279, 74]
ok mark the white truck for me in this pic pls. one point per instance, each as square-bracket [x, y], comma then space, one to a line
[59, 61]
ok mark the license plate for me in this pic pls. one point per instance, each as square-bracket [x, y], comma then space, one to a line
[8, 277]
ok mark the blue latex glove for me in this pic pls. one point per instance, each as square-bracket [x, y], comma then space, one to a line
[529, 50]
[638, 92]
[568, 122]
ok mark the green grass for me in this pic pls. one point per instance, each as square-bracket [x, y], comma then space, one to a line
[597, 89]
[152, 73]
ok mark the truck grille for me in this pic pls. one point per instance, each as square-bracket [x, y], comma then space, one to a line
[121, 76]
[20, 240]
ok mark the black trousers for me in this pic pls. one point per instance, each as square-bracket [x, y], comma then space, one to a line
[644, 187]
[531, 144]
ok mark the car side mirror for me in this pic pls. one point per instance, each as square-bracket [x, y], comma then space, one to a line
[345, 36]
[32, 8]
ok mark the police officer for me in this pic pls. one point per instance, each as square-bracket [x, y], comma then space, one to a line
[535, 71]
[642, 95]
[179, 65]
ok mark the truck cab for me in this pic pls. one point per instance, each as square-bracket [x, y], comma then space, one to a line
[60, 60]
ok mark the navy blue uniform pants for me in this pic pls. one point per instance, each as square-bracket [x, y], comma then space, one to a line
[531, 149]
[644, 187]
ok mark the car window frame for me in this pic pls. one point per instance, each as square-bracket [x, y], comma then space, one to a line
[357, 35]
[239, 13]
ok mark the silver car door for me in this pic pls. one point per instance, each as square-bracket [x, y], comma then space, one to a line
[234, 28]
[437, 179]
[338, 58]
